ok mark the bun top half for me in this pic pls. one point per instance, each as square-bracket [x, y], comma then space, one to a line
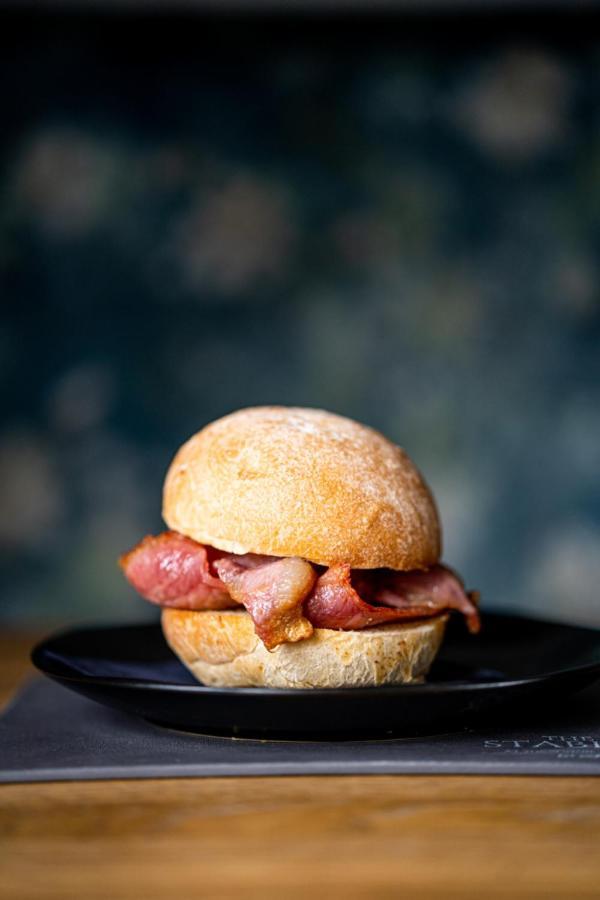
[287, 481]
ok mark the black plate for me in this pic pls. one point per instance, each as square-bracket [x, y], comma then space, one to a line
[516, 664]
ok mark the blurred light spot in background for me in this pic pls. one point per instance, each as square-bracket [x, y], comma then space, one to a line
[65, 179]
[234, 236]
[31, 494]
[517, 106]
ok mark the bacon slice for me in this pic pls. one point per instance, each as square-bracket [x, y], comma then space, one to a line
[272, 590]
[173, 570]
[286, 597]
[428, 593]
[337, 600]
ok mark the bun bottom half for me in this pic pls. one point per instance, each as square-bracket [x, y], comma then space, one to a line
[221, 649]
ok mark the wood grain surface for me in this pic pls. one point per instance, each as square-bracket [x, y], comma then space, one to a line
[334, 837]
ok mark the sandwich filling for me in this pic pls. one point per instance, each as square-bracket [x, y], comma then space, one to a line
[288, 597]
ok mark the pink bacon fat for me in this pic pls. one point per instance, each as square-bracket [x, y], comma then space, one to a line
[347, 599]
[173, 570]
[273, 591]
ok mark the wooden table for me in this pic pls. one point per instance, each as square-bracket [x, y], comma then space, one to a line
[330, 837]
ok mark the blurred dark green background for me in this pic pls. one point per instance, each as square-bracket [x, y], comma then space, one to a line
[395, 218]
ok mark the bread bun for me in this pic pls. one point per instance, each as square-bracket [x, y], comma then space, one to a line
[221, 649]
[302, 482]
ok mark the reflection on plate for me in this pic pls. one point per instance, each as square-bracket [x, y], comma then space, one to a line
[512, 668]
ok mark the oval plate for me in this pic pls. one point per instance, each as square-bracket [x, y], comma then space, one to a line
[513, 666]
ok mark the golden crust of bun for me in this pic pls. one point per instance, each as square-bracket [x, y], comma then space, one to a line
[302, 482]
[221, 649]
